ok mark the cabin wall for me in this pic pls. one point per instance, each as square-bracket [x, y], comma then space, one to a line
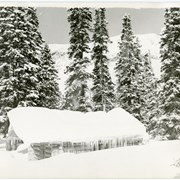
[43, 150]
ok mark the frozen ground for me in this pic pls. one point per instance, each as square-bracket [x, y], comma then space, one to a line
[153, 160]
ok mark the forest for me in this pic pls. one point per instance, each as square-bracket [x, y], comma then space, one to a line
[29, 76]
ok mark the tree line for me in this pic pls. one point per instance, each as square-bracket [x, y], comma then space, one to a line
[154, 102]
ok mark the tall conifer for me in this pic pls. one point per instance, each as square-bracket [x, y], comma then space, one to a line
[103, 87]
[77, 91]
[169, 122]
[128, 72]
[20, 46]
[50, 96]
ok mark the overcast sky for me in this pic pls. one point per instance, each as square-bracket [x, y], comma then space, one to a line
[55, 28]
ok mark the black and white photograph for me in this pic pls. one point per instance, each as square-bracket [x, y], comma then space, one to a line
[90, 90]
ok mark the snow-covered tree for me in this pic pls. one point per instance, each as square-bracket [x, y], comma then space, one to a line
[169, 122]
[76, 95]
[149, 109]
[146, 88]
[4, 122]
[21, 64]
[20, 45]
[129, 91]
[103, 87]
[48, 87]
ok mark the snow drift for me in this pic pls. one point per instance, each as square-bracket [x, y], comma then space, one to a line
[153, 160]
[35, 124]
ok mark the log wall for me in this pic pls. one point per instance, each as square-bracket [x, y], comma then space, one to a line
[43, 150]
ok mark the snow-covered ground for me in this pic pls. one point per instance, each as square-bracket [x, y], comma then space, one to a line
[149, 44]
[153, 160]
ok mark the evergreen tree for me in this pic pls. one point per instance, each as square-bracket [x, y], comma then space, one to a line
[149, 108]
[20, 44]
[49, 90]
[146, 88]
[129, 72]
[140, 87]
[76, 85]
[169, 122]
[155, 113]
[21, 64]
[103, 87]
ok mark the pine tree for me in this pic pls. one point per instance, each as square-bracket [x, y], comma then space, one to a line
[103, 87]
[20, 59]
[149, 108]
[146, 88]
[169, 122]
[76, 85]
[155, 112]
[129, 91]
[48, 76]
[140, 87]
[19, 49]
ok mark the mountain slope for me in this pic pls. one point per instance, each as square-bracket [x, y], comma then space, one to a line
[149, 44]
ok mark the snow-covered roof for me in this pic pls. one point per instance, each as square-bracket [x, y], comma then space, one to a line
[35, 124]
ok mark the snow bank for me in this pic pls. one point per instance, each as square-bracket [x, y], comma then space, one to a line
[153, 160]
[35, 124]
